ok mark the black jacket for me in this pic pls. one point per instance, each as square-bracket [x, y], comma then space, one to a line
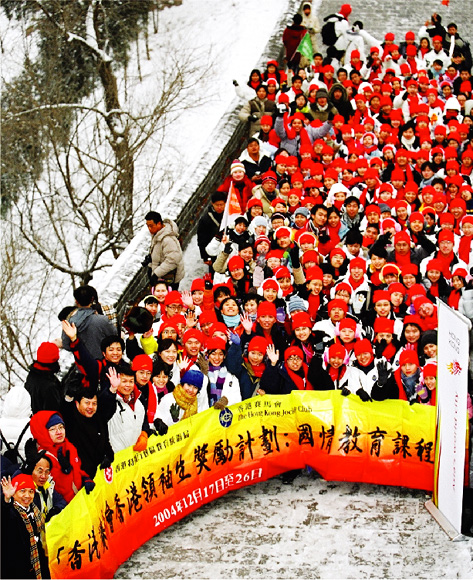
[89, 435]
[44, 388]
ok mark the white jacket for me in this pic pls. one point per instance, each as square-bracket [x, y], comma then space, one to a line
[125, 426]
[164, 408]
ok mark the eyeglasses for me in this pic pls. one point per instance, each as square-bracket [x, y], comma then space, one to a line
[41, 471]
[57, 428]
[294, 358]
[174, 306]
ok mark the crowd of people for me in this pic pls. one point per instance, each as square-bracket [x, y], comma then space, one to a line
[351, 214]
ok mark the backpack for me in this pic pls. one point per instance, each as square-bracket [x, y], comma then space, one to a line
[329, 37]
[11, 451]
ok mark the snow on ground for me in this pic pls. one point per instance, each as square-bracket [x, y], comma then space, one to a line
[310, 529]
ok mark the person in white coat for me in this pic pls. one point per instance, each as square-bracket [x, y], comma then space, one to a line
[184, 401]
[223, 386]
[122, 402]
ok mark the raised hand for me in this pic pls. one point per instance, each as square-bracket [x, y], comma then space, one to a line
[9, 490]
[187, 298]
[114, 379]
[246, 323]
[70, 330]
[273, 354]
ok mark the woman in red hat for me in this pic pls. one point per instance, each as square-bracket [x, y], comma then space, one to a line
[302, 335]
[223, 386]
[249, 367]
[333, 372]
[377, 374]
[408, 377]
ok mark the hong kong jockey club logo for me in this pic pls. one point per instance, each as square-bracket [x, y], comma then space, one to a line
[108, 474]
[454, 368]
[225, 417]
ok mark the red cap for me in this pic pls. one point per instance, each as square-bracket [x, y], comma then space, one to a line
[47, 353]
[293, 351]
[408, 356]
[301, 319]
[142, 362]
[258, 343]
[266, 309]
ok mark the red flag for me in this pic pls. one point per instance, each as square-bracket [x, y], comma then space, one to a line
[232, 207]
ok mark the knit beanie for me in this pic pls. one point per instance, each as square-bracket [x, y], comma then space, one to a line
[47, 353]
[142, 362]
[55, 419]
[193, 377]
[266, 309]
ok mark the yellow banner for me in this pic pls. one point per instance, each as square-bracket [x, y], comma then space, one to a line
[202, 458]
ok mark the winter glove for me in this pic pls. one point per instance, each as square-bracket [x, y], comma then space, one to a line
[147, 260]
[203, 364]
[383, 373]
[51, 513]
[363, 395]
[253, 118]
[221, 403]
[64, 461]
[379, 349]
[88, 484]
[174, 412]
[234, 338]
[107, 461]
[160, 426]
[142, 442]
[31, 449]
[422, 392]
[346, 392]
[281, 314]
[227, 248]
[235, 83]
[282, 108]
[324, 238]
[294, 253]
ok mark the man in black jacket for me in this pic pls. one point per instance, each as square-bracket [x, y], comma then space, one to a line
[87, 429]
[209, 225]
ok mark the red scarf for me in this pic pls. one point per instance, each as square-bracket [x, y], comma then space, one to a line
[133, 397]
[402, 260]
[314, 304]
[464, 248]
[291, 134]
[337, 374]
[454, 299]
[354, 284]
[375, 278]
[152, 402]
[434, 289]
[389, 352]
[446, 261]
[301, 382]
[258, 370]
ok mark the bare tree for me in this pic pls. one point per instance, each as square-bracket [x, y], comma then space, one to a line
[75, 215]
